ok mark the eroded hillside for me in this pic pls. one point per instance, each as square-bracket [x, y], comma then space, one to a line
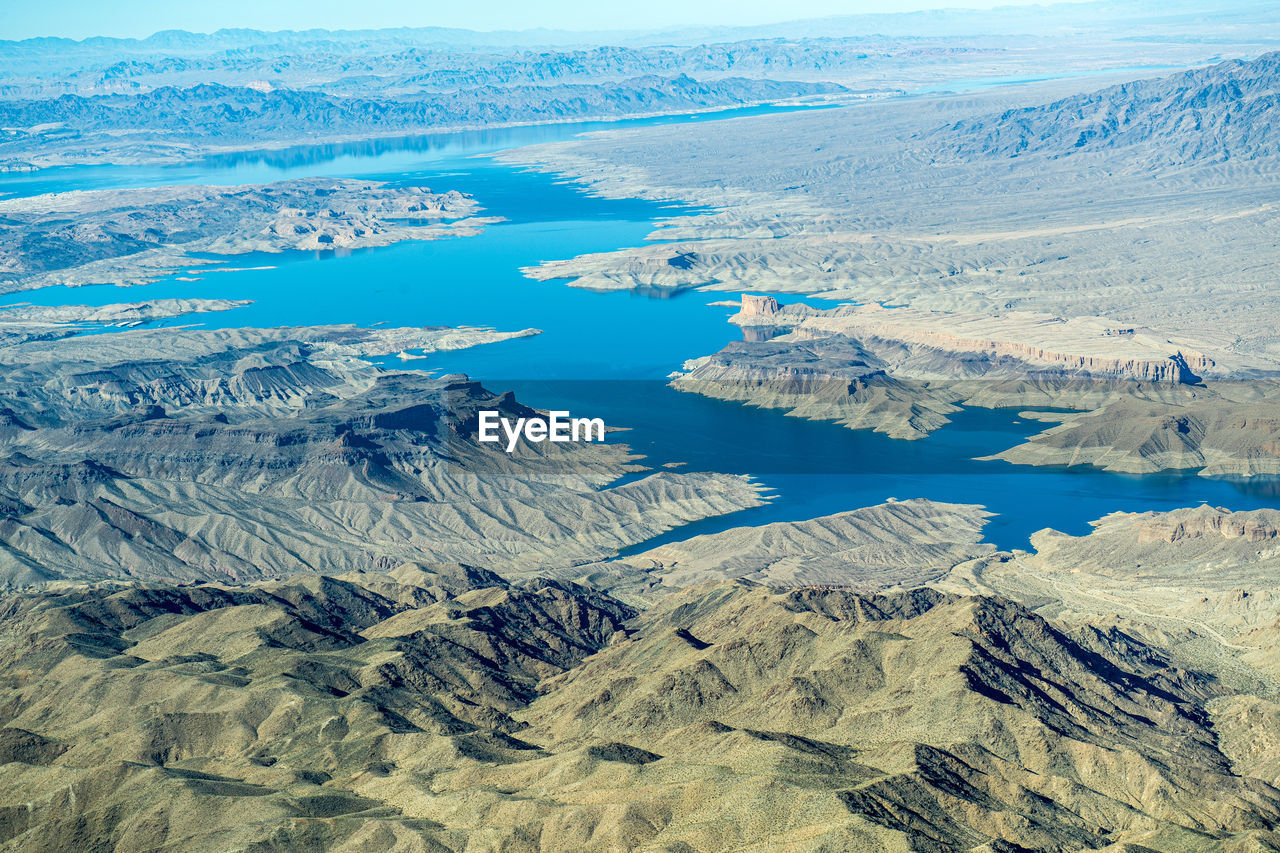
[440, 707]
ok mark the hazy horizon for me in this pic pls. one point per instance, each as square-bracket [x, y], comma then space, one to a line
[139, 19]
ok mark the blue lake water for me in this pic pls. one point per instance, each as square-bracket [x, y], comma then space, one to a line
[606, 354]
[378, 157]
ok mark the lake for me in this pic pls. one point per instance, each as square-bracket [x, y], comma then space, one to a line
[606, 354]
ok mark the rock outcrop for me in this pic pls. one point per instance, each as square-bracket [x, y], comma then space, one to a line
[1210, 522]
[756, 307]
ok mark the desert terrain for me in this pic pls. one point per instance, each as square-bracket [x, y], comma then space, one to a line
[263, 588]
[1124, 238]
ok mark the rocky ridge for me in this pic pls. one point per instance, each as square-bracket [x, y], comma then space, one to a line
[894, 545]
[181, 122]
[441, 706]
[1219, 113]
[257, 453]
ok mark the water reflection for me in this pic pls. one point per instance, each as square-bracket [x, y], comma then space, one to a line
[376, 157]
[760, 334]
[454, 142]
[1265, 488]
[449, 142]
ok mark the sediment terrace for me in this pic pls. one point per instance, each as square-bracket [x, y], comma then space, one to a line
[1093, 347]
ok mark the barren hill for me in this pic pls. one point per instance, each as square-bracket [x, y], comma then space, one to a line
[243, 454]
[440, 708]
[1207, 115]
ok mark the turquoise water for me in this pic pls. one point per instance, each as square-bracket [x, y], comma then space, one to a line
[606, 354]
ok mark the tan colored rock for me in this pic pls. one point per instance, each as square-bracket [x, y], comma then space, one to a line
[1200, 581]
[757, 306]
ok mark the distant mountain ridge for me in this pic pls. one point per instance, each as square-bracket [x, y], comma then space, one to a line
[1022, 19]
[238, 113]
[416, 69]
[1222, 112]
[387, 68]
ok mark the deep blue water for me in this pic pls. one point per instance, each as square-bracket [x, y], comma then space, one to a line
[606, 354]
